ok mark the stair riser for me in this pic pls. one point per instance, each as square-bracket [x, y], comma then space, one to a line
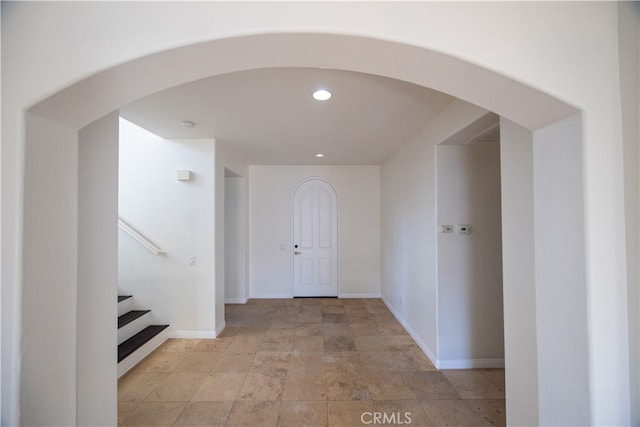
[130, 329]
[125, 306]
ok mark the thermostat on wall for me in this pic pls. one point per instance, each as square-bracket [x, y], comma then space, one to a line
[184, 175]
[464, 229]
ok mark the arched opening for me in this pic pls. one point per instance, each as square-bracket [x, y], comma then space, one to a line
[81, 107]
[315, 239]
[104, 92]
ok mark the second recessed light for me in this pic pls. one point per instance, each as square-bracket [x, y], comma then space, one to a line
[321, 95]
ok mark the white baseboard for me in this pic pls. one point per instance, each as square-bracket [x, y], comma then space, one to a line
[220, 328]
[444, 364]
[192, 334]
[235, 300]
[374, 295]
[423, 346]
[470, 363]
[271, 296]
[287, 296]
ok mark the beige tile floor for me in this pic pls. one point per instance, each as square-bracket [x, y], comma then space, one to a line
[306, 362]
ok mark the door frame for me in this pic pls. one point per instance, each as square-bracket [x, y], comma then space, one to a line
[293, 194]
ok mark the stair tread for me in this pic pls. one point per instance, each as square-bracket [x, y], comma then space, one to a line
[130, 317]
[123, 297]
[138, 340]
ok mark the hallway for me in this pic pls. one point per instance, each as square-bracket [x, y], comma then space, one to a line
[306, 362]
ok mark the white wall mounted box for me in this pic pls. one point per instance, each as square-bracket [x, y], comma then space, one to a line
[183, 175]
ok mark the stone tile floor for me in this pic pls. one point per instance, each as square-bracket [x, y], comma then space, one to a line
[306, 362]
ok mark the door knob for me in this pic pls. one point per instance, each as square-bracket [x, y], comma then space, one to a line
[297, 253]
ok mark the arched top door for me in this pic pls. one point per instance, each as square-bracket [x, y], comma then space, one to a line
[315, 239]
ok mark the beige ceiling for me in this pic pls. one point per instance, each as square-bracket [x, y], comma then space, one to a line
[270, 116]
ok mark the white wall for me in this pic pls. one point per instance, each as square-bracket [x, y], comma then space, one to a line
[629, 30]
[358, 189]
[48, 391]
[409, 225]
[179, 217]
[235, 283]
[470, 324]
[97, 273]
[518, 259]
[561, 287]
[544, 275]
[228, 161]
[71, 242]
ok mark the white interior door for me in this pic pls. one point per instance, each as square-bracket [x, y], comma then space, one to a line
[315, 239]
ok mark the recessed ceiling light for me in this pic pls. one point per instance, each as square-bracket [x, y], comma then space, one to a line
[322, 95]
[188, 124]
[319, 156]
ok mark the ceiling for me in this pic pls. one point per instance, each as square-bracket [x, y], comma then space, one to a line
[271, 117]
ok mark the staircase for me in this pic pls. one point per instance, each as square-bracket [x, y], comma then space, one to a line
[137, 338]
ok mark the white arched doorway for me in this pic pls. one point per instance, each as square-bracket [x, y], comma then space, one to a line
[315, 239]
[77, 107]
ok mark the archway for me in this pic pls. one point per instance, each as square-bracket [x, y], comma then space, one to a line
[86, 101]
[84, 104]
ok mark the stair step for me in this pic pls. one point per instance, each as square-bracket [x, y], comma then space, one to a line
[123, 297]
[138, 340]
[130, 317]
